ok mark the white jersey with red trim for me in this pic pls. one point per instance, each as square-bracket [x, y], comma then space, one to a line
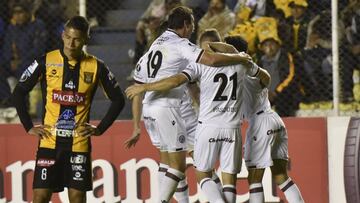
[168, 55]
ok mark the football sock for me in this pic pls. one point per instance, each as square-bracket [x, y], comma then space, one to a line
[256, 193]
[208, 186]
[291, 191]
[169, 184]
[229, 193]
[182, 192]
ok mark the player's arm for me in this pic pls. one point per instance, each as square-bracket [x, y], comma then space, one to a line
[264, 77]
[161, 85]
[222, 47]
[136, 113]
[223, 59]
[116, 96]
[28, 80]
[194, 90]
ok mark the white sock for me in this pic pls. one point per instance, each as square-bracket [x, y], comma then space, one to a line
[211, 191]
[182, 192]
[229, 193]
[169, 184]
[161, 174]
[256, 193]
[216, 179]
[291, 191]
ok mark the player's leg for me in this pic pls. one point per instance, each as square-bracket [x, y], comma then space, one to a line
[230, 161]
[46, 171]
[257, 153]
[41, 195]
[279, 155]
[174, 174]
[205, 166]
[285, 183]
[209, 187]
[172, 133]
[76, 196]
[255, 185]
[78, 175]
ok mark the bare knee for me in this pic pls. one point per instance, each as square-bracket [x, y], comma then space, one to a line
[279, 171]
[255, 175]
[76, 196]
[41, 195]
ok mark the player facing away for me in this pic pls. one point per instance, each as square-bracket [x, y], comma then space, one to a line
[168, 55]
[266, 143]
[218, 133]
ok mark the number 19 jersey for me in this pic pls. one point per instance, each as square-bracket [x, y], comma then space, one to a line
[168, 55]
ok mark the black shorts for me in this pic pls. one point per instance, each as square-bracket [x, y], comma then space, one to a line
[56, 169]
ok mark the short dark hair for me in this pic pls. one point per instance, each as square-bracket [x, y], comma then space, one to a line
[238, 42]
[211, 33]
[79, 23]
[178, 16]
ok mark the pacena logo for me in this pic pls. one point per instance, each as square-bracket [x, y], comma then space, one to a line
[69, 98]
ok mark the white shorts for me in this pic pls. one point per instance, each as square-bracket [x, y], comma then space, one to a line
[266, 139]
[165, 127]
[189, 115]
[213, 143]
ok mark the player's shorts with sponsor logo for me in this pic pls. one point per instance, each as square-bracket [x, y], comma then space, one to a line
[266, 139]
[165, 127]
[58, 168]
[213, 143]
[190, 117]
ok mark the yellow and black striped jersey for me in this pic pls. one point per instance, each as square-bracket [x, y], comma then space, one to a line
[68, 88]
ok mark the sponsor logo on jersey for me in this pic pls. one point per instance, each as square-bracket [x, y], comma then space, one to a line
[76, 167]
[274, 131]
[225, 139]
[68, 98]
[88, 77]
[77, 176]
[29, 71]
[78, 159]
[225, 109]
[70, 85]
[65, 125]
[45, 162]
[54, 65]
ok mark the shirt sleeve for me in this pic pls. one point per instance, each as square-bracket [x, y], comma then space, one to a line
[28, 80]
[114, 93]
[140, 72]
[192, 72]
[190, 51]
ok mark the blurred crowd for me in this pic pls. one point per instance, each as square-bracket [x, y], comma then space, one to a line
[291, 39]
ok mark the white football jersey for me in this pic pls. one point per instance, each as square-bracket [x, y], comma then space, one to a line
[255, 97]
[168, 55]
[220, 93]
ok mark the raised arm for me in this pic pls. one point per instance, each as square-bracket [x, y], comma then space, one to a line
[161, 85]
[222, 59]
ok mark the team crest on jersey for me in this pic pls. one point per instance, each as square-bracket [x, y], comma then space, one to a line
[182, 138]
[88, 77]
